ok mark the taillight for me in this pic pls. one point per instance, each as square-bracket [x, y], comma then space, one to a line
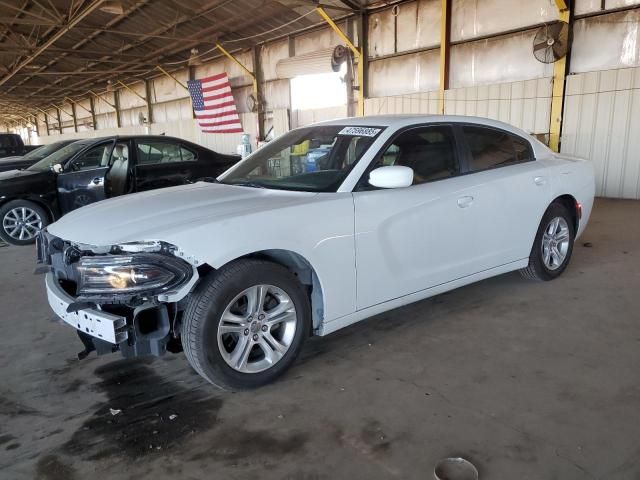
[579, 210]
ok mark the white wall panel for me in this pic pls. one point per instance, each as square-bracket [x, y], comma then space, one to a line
[269, 56]
[586, 6]
[381, 34]
[277, 94]
[416, 72]
[496, 60]
[300, 118]
[318, 40]
[477, 18]
[524, 104]
[606, 42]
[416, 103]
[601, 123]
[129, 99]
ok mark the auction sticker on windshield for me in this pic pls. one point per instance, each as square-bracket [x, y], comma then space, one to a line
[360, 131]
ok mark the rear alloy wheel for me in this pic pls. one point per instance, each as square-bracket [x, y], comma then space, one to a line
[21, 222]
[553, 245]
[244, 325]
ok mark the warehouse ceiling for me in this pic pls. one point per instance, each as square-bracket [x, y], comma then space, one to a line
[52, 49]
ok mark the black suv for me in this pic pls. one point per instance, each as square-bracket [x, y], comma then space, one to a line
[87, 171]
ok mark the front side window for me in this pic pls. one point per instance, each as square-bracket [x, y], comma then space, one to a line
[313, 159]
[154, 153]
[59, 156]
[491, 148]
[95, 157]
[429, 151]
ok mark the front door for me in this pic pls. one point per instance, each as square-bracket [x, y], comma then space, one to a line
[162, 163]
[410, 239]
[83, 179]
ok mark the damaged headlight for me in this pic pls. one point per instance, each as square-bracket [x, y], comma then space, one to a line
[136, 273]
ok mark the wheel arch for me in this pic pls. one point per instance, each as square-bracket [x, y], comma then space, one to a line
[571, 204]
[302, 269]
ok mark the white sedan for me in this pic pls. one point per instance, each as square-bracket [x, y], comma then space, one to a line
[323, 227]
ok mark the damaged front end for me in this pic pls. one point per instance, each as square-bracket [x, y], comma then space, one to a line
[124, 297]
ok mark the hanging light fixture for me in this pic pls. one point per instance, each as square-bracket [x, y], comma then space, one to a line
[113, 7]
[194, 60]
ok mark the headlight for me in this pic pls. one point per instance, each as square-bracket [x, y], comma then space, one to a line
[141, 272]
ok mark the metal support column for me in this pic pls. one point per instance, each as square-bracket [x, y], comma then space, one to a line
[75, 117]
[147, 92]
[559, 77]
[257, 69]
[59, 120]
[92, 106]
[357, 53]
[116, 105]
[445, 38]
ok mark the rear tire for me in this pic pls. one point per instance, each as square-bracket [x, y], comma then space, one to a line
[245, 324]
[21, 221]
[553, 245]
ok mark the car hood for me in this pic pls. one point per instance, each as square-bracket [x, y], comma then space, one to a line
[164, 213]
[22, 181]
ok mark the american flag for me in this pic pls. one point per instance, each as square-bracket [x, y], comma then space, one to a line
[214, 105]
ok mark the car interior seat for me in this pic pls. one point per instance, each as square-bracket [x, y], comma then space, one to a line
[119, 174]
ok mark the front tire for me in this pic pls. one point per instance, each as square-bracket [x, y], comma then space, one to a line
[21, 221]
[245, 324]
[553, 245]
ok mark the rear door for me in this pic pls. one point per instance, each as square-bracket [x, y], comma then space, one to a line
[163, 163]
[83, 179]
[509, 193]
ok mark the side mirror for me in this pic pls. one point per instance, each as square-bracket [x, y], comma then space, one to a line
[57, 168]
[391, 177]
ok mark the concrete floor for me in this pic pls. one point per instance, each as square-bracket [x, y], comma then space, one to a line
[527, 380]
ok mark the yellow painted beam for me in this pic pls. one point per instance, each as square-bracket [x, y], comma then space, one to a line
[559, 75]
[103, 99]
[445, 22]
[241, 65]
[172, 77]
[132, 91]
[78, 104]
[357, 53]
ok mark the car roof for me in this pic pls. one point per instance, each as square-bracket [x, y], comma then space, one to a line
[401, 121]
[91, 141]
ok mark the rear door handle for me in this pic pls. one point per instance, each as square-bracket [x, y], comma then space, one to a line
[540, 181]
[97, 181]
[464, 202]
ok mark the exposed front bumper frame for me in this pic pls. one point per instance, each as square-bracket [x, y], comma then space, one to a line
[91, 321]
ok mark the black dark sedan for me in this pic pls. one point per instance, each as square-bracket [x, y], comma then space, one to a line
[24, 161]
[87, 171]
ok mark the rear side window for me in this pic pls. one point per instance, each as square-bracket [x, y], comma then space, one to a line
[491, 148]
[153, 153]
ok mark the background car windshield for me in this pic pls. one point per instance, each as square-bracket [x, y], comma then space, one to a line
[42, 151]
[314, 159]
[60, 156]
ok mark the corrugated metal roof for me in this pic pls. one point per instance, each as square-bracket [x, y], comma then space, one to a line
[103, 46]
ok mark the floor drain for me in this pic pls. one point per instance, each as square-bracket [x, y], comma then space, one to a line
[455, 469]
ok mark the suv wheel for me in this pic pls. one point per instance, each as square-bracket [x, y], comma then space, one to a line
[244, 325]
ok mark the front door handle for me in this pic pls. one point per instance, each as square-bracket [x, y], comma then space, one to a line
[464, 202]
[97, 181]
[539, 181]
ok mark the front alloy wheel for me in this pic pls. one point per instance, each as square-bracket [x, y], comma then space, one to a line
[257, 328]
[244, 324]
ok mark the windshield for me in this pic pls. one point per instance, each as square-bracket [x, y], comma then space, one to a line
[313, 159]
[43, 151]
[59, 156]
